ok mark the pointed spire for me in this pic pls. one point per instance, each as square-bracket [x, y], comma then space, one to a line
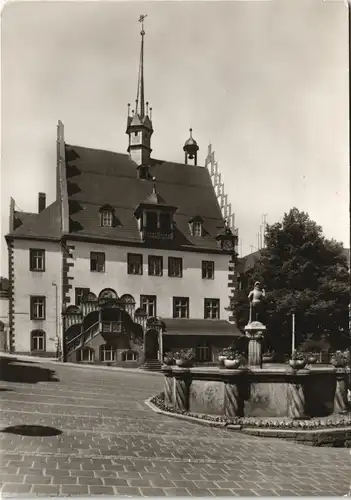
[140, 100]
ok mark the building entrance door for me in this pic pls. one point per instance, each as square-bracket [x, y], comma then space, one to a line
[151, 344]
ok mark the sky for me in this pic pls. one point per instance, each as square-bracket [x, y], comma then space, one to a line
[265, 82]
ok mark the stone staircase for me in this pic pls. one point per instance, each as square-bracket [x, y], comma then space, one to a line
[151, 365]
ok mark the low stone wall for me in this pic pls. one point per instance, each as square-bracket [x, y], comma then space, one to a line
[274, 391]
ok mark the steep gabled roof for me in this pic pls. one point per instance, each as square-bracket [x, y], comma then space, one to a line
[97, 177]
[45, 224]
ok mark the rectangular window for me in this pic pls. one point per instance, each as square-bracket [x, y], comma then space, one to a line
[155, 265]
[38, 341]
[37, 307]
[37, 259]
[208, 269]
[80, 293]
[148, 303]
[106, 218]
[175, 267]
[108, 353]
[197, 228]
[211, 308]
[151, 221]
[97, 262]
[135, 263]
[180, 307]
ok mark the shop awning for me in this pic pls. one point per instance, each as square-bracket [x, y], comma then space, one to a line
[217, 327]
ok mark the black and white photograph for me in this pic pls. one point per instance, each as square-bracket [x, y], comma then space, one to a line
[175, 312]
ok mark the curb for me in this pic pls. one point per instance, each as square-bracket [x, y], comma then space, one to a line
[77, 365]
[296, 435]
[195, 420]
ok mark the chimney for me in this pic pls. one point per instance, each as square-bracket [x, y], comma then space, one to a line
[41, 202]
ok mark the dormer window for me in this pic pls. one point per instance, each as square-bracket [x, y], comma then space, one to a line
[107, 216]
[196, 226]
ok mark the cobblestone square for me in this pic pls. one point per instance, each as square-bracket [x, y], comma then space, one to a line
[111, 443]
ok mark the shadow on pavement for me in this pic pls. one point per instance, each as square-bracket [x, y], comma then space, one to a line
[5, 389]
[14, 370]
[32, 430]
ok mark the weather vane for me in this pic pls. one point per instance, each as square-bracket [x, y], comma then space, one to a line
[141, 20]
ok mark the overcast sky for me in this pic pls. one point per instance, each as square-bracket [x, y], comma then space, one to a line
[265, 82]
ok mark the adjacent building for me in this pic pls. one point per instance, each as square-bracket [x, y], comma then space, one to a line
[135, 257]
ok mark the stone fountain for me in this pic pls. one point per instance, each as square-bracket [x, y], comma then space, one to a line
[276, 390]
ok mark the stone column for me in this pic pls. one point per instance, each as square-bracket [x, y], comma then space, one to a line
[181, 390]
[296, 400]
[232, 399]
[168, 387]
[255, 331]
[340, 398]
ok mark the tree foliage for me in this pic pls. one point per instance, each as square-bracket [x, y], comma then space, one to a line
[302, 273]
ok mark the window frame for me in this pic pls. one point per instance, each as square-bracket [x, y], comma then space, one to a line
[107, 348]
[106, 218]
[157, 258]
[133, 255]
[201, 357]
[211, 302]
[32, 257]
[97, 254]
[205, 268]
[33, 299]
[174, 260]
[186, 305]
[34, 334]
[125, 353]
[91, 355]
[152, 299]
[197, 225]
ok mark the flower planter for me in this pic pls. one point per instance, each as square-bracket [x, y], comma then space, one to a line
[312, 360]
[168, 361]
[232, 364]
[267, 359]
[338, 363]
[297, 364]
[221, 358]
[184, 363]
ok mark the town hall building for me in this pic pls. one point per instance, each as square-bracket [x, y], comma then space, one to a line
[135, 257]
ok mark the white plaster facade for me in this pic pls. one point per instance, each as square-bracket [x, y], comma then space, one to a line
[116, 276]
[27, 283]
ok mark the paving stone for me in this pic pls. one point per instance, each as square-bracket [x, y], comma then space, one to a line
[45, 489]
[11, 478]
[37, 479]
[16, 488]
[101, 490]
[152, 492]
[127, 490]
[114, 481]
[74, 490]
[90, 481]
[139, 482]
[223, 493]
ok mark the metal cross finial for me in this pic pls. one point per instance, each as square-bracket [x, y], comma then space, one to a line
[141, 20]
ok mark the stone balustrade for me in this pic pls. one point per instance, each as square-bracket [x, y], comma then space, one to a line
[274, 391]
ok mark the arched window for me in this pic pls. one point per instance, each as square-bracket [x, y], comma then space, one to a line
[38, 341]
[129, 356]
[107, 353]
[86, 354]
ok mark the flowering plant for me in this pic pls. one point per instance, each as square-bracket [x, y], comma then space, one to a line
[296, 355]
[184, 354]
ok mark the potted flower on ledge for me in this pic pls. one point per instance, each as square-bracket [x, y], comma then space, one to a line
[297, 360]
[312, 358]
[268, 356]
[184, 359]
[223, 354]
[234, 360]
[168, 358]
[339, 359]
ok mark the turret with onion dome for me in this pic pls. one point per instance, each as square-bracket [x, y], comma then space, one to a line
[191, 148]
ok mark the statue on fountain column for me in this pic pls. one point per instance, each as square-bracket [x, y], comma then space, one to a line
[256, 298]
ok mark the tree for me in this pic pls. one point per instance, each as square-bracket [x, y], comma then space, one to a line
[303, 273]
